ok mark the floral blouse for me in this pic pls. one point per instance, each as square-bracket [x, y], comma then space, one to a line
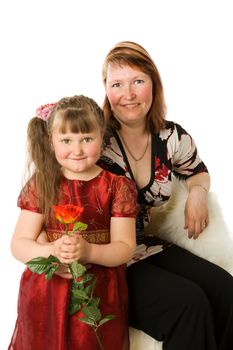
[174, 153]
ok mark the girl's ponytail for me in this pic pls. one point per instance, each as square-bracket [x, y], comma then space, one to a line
[42, 163]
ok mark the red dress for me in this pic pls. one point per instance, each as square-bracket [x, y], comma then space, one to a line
[43, 322]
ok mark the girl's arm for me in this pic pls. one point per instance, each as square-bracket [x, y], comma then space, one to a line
[122, 246]
[196, 209]
[42, 238]
[24, 246]
[119, 251]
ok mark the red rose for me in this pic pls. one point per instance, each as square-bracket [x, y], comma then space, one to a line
[67, 213]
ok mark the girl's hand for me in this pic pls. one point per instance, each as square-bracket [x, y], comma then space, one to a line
[64, 272]
[69, 249]
[196, 212]
[72, 248]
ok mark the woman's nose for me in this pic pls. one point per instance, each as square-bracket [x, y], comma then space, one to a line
[129, 92]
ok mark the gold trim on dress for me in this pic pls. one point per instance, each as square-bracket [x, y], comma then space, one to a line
[95, 236]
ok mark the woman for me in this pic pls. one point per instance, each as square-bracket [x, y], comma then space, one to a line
[175, 296]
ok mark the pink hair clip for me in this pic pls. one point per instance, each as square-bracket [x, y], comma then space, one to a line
[43, 112]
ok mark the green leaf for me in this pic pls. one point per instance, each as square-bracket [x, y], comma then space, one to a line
[51, 271]
[106, 319]
[87, 277]
[94, 302]
[79, 294]
[79, 226]
[77, 269]
[75, 300]
[40, 264]
[88, 321]
[74, 307]
[89, 289]
[80, 283]
[77, 285]
[92, 312]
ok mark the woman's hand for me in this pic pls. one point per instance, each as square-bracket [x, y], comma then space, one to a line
[196, 212]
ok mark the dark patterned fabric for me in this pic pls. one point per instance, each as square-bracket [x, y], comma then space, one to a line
[174, 153]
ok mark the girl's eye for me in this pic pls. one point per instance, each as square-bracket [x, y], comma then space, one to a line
[87, 139]
[66, 141]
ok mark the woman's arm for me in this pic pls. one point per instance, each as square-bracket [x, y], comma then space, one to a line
[196, 209]
[201, 180]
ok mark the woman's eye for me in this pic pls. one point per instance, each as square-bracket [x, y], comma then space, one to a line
[116, 85]
[139, 81]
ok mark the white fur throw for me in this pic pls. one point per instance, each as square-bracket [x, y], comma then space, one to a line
[214, 244]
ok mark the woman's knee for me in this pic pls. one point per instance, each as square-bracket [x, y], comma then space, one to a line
[189, 305]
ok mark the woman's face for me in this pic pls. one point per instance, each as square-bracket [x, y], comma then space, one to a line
[129, 92]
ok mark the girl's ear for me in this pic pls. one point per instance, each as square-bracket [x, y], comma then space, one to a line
[51, 147]
[50, 140]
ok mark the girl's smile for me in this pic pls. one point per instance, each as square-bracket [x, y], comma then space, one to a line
[77, 153]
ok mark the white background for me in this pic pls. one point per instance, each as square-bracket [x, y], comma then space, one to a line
[51, 49]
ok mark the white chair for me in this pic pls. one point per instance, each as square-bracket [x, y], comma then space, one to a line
[214, 244]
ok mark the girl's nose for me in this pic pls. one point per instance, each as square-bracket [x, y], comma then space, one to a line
[77, 149]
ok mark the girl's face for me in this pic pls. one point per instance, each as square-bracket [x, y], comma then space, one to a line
[77, 153]
[129, 92]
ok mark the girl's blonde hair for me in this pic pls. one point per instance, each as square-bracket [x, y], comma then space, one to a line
[74, 114]
[134, 55]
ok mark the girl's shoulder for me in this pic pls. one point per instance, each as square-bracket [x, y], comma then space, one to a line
[116, 178]
[28, 197]
[29, 186]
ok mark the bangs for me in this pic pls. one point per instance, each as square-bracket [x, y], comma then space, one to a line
[77, 120]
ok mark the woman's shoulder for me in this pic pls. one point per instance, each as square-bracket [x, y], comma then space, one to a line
[172, 128]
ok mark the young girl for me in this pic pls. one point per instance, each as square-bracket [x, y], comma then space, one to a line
[64, 143]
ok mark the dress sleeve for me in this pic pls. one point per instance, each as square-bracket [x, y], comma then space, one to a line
[28, 198]
[124, 198]
[184, 155]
